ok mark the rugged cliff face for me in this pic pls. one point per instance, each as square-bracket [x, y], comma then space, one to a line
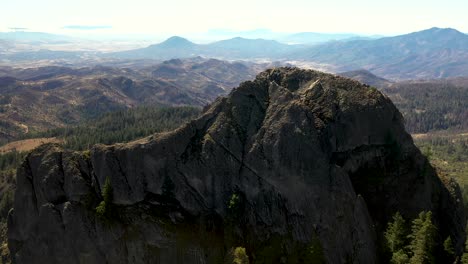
[291, 161]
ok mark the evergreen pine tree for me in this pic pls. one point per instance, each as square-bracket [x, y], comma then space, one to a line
[396, 233]
[422, 238]
[104, 209]
[448, 247]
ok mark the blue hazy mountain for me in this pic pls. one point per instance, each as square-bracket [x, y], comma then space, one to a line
[235, 48]
[26, 36]
[284, 37]
[248, 48]
[430, 53]
[314, 38]
[173, 47]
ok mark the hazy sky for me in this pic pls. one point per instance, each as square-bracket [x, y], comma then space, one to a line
[184, 17]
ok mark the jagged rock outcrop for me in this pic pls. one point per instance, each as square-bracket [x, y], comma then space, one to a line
[292, 160]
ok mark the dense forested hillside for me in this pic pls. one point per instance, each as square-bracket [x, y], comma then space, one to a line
[448, 152]
[119, 126]
[427, 105]
[122, 126]
[432, 105]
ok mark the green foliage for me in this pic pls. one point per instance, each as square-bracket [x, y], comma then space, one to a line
[11, 160]
[234, 201]
[121, 126]
[431, 106]
[464, 258]
[235, 208]
[396, 234]
[423, 234]
[101, 210]
[417, 247]
[448, 153]
[427, 151]
[87, 154]
[107, 191]
[448, 247]
[237, 255]
[104, 209]
[373, 89]
[400, 257]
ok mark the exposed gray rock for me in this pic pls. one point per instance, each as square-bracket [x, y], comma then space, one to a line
[285, 159]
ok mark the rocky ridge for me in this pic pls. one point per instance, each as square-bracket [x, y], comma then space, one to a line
[292, 160]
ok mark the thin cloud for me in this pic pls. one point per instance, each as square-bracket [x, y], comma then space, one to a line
[18, 28]
[82, 27]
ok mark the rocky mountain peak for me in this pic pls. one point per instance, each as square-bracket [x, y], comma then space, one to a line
[172, 43]
[442, 31]
[442, 38]
[291, 160]
[176, 41]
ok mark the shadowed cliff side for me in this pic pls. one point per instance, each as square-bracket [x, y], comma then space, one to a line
[294, 160]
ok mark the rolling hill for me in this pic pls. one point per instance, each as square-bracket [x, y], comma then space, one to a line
[42, 98]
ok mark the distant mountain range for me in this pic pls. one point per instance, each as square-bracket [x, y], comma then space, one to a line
[316, 38]
[431, 53]
[289, 38]
[235, 48]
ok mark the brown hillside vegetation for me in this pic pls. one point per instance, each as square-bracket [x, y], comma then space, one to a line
[50, 97]
[27, 144]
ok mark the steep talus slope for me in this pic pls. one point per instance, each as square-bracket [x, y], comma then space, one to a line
[292, 161]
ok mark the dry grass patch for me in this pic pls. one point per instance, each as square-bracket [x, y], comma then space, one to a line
[27, 144]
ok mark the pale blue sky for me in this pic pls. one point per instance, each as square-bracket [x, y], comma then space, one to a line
[186, 17]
